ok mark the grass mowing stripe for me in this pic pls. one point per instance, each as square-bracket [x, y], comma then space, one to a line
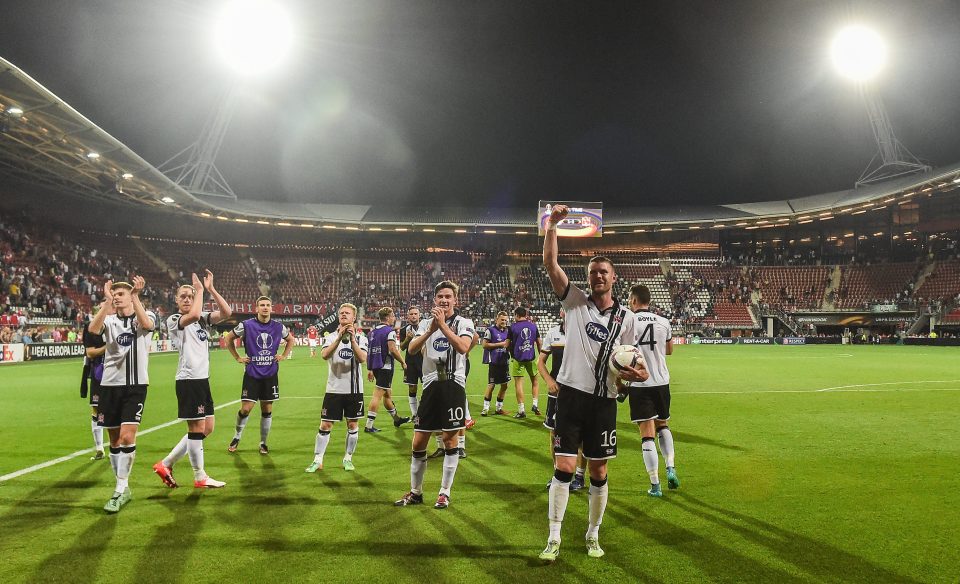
[43, 465]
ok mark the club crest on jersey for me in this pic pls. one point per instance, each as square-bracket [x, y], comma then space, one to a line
[264, 340]
[345, 354]
[441, 345]
[125, 339]
[556, 443]
[597, 332]
[201, 409]
[202, 334]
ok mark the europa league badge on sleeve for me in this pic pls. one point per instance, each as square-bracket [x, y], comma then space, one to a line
[582, 220]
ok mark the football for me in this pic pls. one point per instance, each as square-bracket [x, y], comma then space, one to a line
[624, 356]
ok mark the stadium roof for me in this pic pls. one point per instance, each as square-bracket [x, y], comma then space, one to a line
[45, 141]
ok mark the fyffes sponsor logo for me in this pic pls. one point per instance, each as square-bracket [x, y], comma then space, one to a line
[125, 339]
[597, 332]
[441, 345]
[202, 334]
[345, 354]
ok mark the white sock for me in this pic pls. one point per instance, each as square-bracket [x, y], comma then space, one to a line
[195, 454]
[559, 495]
[413, 404]
[666, 444]
[371, 418]
[450, 461]
[650, 460]
[97, 433]
[418, 467]
[499, 404]
[266, 420]
[461, 441]
[352, 437]
[439, 442]
[241, 424]
[598, 503]
[125, 465]
[178, 452]
[114, 460]
[393, 413]
[580, 471]
[486, 405]
[520, 408]
[536, 401]
[320, 446]
[466, 411]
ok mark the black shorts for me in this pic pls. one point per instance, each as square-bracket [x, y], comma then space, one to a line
[266, 389]
[384, 378]
[121, 404]
[550, 420]
[194, 401]
[649, 403]
[414, 373]
[94, 394]
[498, 373]
[443, 407]
[337, 406]
[587, 421]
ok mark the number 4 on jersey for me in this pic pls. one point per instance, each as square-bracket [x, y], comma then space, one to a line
[646, 337]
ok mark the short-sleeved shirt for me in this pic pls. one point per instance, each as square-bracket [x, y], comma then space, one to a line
[553, 344]
[343, 369]
[261, 342]
[523, 340]
[93, 341]
[440, 359]
[125, 361]
[653, 334]
[499, 355]
[586, 357]
[191, 342]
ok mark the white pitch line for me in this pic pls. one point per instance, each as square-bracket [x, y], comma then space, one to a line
[42, 465]
[886, 383]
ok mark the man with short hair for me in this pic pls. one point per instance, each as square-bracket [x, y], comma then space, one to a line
[382, 355]
[261, 342]
[594, 323]
[524, 338]
[126, 327]
[444, 339]
[312, 340]
[495, 354]
[344, 352]
[189, 330]
[650, 399]
[413, 374]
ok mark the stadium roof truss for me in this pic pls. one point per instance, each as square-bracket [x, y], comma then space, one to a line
[45, 141]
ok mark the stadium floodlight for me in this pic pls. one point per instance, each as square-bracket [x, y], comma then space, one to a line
[253, 36]
[168, 200]
[93, 155]
[858, 53]
[14, 111]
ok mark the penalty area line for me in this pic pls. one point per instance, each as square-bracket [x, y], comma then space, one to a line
[43, 465]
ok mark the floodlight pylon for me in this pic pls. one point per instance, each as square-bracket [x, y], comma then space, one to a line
[892, 158]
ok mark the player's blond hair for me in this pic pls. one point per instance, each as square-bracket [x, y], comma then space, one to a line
[350, 306]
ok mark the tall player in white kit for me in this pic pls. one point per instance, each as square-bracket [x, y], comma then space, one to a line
[344, 353]
[586, 396]
[444, 339]
[188, 330]
[650, 399]
[126, 327]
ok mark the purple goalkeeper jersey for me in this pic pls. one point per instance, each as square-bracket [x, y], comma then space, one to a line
[523, 339]
[261, 341]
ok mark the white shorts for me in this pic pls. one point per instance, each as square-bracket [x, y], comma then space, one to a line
[312, 343]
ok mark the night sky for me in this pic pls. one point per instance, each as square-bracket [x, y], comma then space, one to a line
[502, 103]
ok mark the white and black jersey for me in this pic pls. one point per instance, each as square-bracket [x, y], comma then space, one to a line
[440, 360]
[125, 361]
[191, 342]
[554, 343]
[591, 335]
[653, 334]
[343, 370]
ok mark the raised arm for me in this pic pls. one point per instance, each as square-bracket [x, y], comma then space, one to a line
[106, 308]
[558, 279]
[145, 322]
[223, 311]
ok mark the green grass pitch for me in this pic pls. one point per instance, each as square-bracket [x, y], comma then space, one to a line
[798, 464]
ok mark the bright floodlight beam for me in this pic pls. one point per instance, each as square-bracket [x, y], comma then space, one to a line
[253, 36]
[858, 53]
